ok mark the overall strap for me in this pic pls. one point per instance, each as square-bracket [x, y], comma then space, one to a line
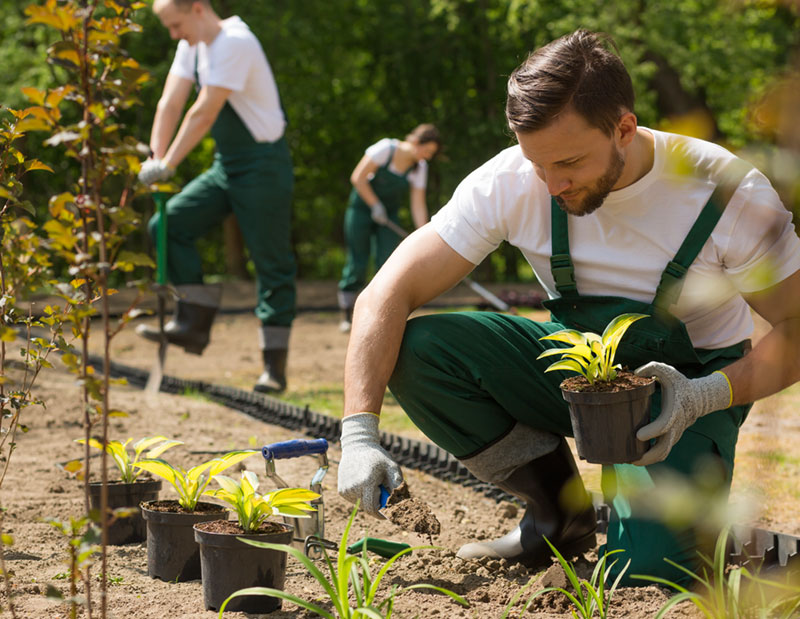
[196, 72]
[560, 262]
[391, 156]
[669, 288]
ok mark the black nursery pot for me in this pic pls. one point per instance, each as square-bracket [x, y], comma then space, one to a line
[605, 423]
[229, 565]
[132, 528]
[172, 553]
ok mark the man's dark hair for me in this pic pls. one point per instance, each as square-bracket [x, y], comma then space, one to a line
[578, 71]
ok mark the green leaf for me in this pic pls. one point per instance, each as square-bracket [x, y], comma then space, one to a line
[128, 260]
[229, 459]
[568, 336]
[566, 364]
[161, 469]
[278, 593]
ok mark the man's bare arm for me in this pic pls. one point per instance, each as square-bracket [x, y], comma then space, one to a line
[168, 113]
[360, 180]
[196, 123]
[774, 363]
[420, 269]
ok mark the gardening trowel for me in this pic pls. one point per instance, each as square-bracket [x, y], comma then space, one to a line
[157, 371]
[493, 300]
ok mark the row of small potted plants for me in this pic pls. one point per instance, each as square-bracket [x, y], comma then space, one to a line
[188, 538]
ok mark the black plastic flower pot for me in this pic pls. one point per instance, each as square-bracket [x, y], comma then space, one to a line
[228, 565]
[604, 423]
[132, 528]
[172, 553]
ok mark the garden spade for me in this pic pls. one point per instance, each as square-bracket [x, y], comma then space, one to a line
[493, 300]
[157, 371]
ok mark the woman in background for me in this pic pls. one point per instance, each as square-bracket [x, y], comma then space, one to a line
[381, 183]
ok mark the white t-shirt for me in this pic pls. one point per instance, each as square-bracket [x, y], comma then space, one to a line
[622, 248]
[383, 149]
[236, 61]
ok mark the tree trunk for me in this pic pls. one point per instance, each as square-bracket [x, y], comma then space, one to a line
[235, 262]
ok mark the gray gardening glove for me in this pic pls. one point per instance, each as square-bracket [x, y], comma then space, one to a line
[379, 215]
[683, 401]
[365, 465]
[155, 170]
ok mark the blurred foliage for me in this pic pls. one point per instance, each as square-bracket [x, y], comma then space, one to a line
[353, 71]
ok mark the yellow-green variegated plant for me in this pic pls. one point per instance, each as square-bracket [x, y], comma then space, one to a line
[253, 509]
[156, 445]
[590, 355]
[191, 484]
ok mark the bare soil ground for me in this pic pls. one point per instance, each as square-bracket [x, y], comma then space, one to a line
[36, 486]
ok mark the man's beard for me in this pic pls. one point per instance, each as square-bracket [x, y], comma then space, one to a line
[599, 193]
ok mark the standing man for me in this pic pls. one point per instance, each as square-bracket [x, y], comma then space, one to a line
[613, 218]
[251, 176]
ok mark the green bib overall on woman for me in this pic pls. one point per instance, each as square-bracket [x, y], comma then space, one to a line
[361, 233]
[254, 181]
[466, 379]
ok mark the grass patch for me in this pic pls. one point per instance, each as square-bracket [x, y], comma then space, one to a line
[328, 399]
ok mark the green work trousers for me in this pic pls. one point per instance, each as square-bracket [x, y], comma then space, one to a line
[257, 189]
[365, 238]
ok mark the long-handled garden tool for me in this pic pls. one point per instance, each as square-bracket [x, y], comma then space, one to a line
[309, 533]
[157, 371]
[494, 300]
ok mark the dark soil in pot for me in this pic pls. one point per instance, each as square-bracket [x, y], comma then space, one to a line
[606, 416]
[132, 528]
[228, 564]
[172, 553]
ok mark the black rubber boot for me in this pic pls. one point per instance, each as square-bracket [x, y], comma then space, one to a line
[189, 328]
[273, 379]
[557, 507]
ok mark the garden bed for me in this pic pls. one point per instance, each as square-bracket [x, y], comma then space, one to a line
[37, 487]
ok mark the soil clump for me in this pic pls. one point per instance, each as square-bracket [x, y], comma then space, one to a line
[410, 514]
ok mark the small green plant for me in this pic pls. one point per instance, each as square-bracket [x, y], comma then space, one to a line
[122, 458]
[191, 484]
[349, 572]
[253, 509]
[591, 355]
[731, 593]
[83, 547]
[590, 596]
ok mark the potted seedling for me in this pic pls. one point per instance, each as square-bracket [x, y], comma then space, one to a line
[607, 404]
[125, 494]
[227, 563]
[172, 553]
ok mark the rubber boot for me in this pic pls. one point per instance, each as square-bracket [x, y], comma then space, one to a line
[190, 326]
[557, 506]
[347, 320]
[273, 378]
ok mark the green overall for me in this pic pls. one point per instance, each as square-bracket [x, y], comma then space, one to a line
[465, 379]
[362, 235]
[254, 181]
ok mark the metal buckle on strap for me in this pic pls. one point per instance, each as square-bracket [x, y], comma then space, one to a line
[563, 272]
[670, 286]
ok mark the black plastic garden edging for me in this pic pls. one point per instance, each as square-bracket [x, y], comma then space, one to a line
[751, 546]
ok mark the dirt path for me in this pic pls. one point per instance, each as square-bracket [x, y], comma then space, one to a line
[37, 487]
